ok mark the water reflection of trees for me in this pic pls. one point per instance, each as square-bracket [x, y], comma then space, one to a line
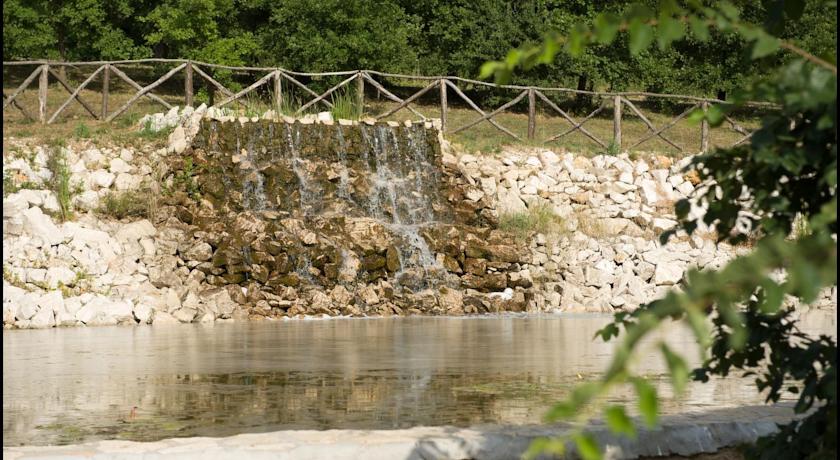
[232, 378]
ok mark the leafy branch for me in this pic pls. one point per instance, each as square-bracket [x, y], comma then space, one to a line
[786, 173]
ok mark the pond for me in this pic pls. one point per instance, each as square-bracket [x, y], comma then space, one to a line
[65, 386]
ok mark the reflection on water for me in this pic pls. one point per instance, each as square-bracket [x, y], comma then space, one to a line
[68, 385]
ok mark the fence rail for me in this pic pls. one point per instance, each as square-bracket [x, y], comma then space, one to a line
[615, 101]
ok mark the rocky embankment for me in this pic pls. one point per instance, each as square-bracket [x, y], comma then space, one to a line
[133, 253]
[604, 253]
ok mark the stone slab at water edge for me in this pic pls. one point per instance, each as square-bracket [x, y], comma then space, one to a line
[677, 436]
[266, 218]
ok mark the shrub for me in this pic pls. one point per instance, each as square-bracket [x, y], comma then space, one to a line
[345, 105]
[82, 131]
[120, 205]
[60, 183]
[539, 218]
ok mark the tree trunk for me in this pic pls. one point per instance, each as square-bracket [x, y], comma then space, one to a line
[62, 55]
[582, 101]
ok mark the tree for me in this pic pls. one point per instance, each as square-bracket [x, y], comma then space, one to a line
[69, 30]
[787, 174]
[336, 35]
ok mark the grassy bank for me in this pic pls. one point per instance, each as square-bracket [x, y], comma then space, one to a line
[76, 122]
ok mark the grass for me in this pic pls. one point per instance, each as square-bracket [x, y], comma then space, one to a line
[121, 205]
[346, 105]
[11, 186]
[539, 218]
[481, 138]
[59, 181]
[82, 131]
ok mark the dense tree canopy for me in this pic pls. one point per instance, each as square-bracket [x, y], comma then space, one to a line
[417, 36]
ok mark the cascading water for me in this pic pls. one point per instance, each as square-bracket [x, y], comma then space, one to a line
[332, 180]
[253, 186]
[398, 183]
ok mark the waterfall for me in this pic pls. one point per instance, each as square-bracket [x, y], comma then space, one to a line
[331, 177]
[306, 189]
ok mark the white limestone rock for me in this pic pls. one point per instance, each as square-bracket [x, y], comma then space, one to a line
[35, 222]
[668, 273]
[101, 178]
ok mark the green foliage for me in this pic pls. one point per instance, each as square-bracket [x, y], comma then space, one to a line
[81, 131]
[539, 218]
[10, 186]
[120, 205]
[345, 105]
[147, 133]
[431, 37]
[787, 174]
[184, 180]
[339, 35]
[59, 182]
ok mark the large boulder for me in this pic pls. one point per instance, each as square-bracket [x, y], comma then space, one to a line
[36, 223]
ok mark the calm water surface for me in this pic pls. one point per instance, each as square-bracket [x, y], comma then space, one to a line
[69, 385]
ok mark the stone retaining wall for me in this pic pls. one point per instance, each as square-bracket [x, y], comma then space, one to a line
[94, 270]
[605, 254]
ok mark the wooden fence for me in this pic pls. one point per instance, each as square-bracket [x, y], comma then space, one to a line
[618, 102]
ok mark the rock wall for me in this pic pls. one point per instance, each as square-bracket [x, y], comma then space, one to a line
[605, 254]
[234, 235]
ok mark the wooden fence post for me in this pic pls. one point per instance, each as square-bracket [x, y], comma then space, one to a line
[704, 130]
[106, 75]
[42, 94]
[532, 113]
[360, 92]
[442, 105]
[188, 85]
[278, 93]
[617, 121]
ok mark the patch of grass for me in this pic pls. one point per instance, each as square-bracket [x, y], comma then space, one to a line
[59, 182]
[590, 226]
[613, 149]
[128, 120]
[147, 131]
[10, 186]
[82, 131]
[184, 180]
[12, 278]
[539, 218]
[120, 205]
[346, 105]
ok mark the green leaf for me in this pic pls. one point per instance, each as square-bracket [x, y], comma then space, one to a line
[606, 27]
[587, 447]
[729, 10]
[677, 367]
[488, 69]
[648, 402]
[544, 445]
[577, 41]
[773, 295]
[641, 36]
[764, 45]
[670, 30]
[699, 28]
[619, 422]
[550, 48]
[715, 115]
[610, 330]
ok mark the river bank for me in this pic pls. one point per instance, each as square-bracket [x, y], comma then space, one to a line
[678, 436]
[135, 251]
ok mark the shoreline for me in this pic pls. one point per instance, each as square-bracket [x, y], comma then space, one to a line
[687, 434]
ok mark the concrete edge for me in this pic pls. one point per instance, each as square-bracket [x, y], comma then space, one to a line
[677, 435]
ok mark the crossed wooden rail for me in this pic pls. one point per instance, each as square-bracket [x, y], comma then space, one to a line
[276, 76]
